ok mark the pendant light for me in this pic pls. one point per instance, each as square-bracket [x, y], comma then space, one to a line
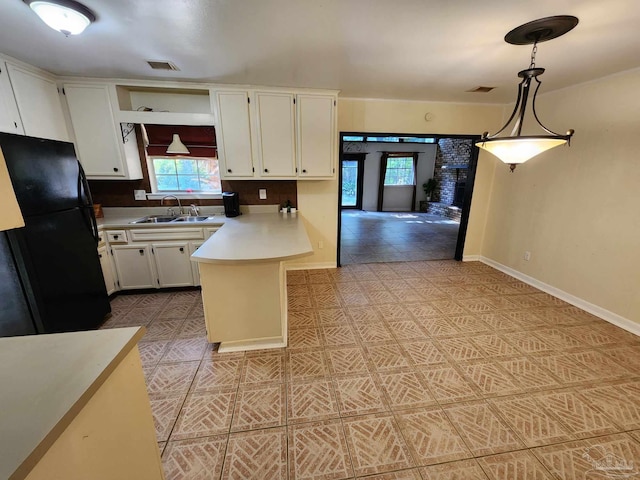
[517, 148]
[176, 147]
[65, 16]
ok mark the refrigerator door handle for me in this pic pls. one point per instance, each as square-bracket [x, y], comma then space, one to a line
[85, 197]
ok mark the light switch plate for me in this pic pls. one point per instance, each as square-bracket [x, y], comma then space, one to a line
[263, 193]
[139, 194]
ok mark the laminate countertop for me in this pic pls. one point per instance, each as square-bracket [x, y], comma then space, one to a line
[46, 381]
[256, 237]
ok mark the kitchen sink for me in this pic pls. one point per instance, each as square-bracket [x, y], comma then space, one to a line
[190, 219]
[168, 219]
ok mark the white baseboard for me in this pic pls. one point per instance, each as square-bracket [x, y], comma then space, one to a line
[614, 318]
[252, 344]
[471, 258]
[309, 266]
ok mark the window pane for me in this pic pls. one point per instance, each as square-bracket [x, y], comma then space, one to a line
[186, 166]
[189, 182]
[399, 171]
[167, 182]
[348, 138]
[164, 166]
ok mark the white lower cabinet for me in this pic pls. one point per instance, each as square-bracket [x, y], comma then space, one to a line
[135, 266]
[107, 270]
[152, 257]
[173, 264]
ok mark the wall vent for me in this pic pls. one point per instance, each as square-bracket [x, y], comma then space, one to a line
[481, 89]
[161, 65]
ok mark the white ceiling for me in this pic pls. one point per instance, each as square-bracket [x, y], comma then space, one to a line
[400, 49]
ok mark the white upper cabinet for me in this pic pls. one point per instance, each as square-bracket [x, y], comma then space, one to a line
[9, 117]
[103, 152]
[316, 128]
[39, 104]
[233, 134]
[275, 127]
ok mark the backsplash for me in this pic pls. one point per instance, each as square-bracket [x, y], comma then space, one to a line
[119, 193]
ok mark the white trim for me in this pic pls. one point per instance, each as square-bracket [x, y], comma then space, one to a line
[472, 258]
[613, 318]
[252, 344]
[310, 266]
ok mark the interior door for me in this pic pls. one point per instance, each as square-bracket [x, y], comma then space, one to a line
[351, 180]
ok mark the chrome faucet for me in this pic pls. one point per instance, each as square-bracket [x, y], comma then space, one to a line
[177, 200]
[194, 211]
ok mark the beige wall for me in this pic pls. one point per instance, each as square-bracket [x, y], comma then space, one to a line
[577, 209]
[318, 201]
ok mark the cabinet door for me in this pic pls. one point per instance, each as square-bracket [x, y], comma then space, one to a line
[316, 135]
[107, 270]
[9, 117]
[134, 266]
[39, 104]
[276, 134]
[193, 246]
[234, 135]
[97, 141]
[173, 264]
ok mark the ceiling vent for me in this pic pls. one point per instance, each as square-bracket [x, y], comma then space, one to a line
[159, 65]
[481, 89]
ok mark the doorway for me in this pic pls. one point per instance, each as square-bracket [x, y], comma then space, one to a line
[352, 177]
[374, 225]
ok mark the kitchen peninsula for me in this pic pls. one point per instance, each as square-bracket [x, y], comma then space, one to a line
[75, 406]
[244, 280]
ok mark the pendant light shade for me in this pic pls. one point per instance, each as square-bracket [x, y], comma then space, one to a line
[177, 147]
[517, 148]
[65, 16]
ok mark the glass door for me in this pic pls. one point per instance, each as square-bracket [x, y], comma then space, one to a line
[352, 174]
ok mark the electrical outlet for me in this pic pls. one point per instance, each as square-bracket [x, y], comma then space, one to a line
[527, 256]
[320, 244]
[262, 192]
[139, 194]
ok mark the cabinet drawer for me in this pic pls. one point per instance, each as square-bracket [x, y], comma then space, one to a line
[117, 236]
[172, 233]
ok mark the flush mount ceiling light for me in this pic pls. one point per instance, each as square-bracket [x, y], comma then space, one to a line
[518, 148]
[177, 147]
[65, 16]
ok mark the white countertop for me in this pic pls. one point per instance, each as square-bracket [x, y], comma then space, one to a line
[46, 380]
[256, 237]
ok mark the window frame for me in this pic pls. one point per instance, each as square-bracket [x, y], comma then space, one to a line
[410, 157]
[153, 181]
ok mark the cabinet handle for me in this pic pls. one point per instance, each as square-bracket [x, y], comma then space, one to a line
[141, 251]
[115, 237]
[182, 249]
[304, 171]
[115, 169]
[266, 170]
[229, 170]
[99, 255]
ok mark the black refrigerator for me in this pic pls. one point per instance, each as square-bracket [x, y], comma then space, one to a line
[50, 274]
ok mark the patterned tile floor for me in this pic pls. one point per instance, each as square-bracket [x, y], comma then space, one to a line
[368, 237]
[422, 370]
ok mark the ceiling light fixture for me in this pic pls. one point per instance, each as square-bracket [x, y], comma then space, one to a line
[65, 16]
[176, 147]
[518, 148]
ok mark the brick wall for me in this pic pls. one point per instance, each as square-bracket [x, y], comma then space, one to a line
[451, 151]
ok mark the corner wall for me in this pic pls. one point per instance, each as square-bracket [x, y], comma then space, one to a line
[577, 209]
